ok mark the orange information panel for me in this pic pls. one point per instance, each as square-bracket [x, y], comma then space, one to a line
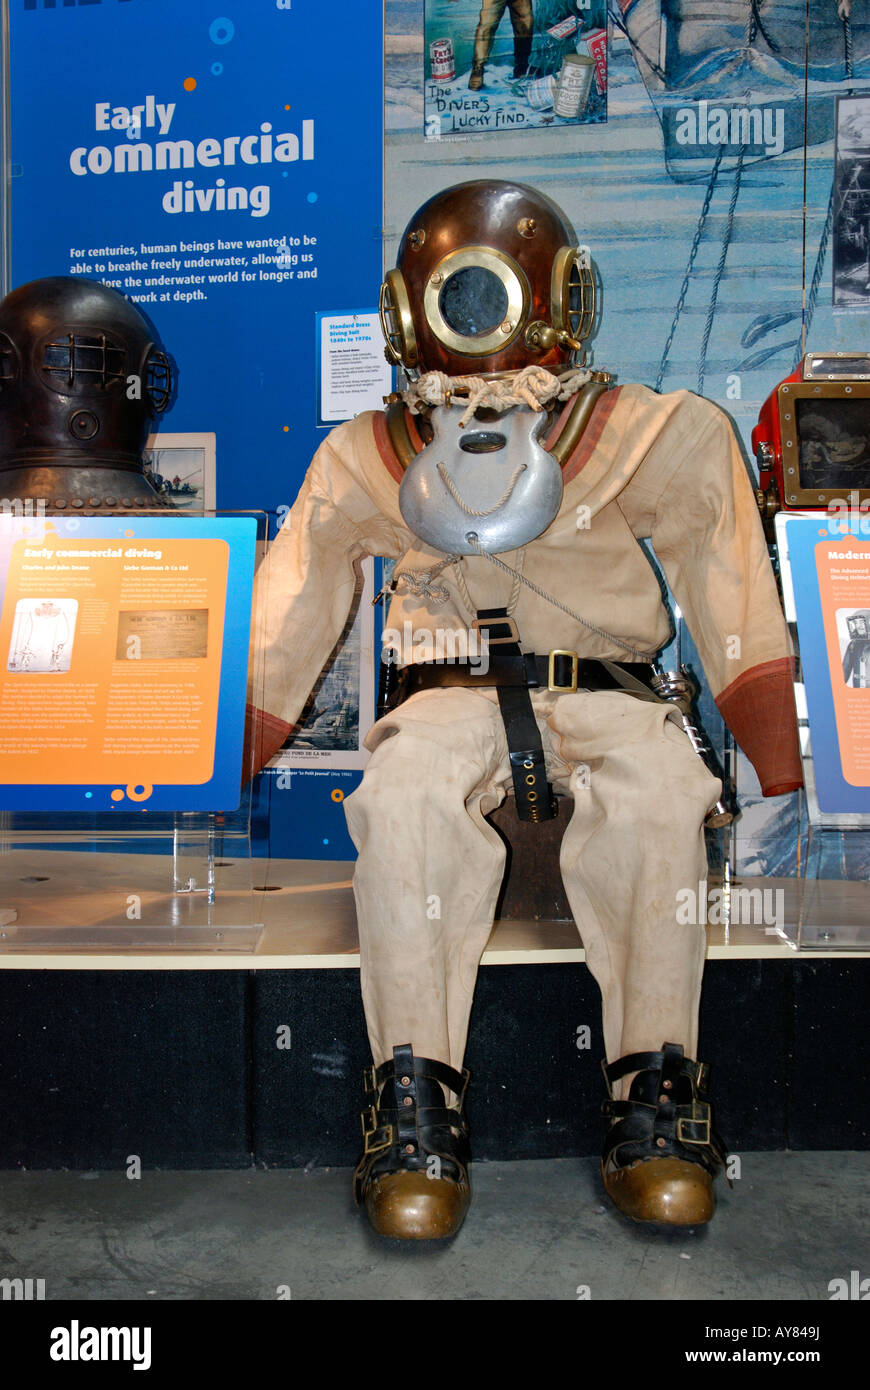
[111, 653]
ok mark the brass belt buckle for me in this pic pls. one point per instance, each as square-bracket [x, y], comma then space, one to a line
[482, 625]
[551, 671]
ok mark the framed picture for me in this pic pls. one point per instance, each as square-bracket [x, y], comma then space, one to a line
[851, 231]
[183, 468]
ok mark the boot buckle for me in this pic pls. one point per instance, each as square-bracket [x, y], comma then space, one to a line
[693, 1127]
[371, 1129]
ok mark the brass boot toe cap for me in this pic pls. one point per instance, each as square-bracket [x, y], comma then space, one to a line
[412, 1206]
[668, 1191]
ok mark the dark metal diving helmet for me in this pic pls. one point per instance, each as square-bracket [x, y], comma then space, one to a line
[81, 379]
[489, 279]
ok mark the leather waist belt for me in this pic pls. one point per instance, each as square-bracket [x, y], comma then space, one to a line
[513, 674]
[559, 671]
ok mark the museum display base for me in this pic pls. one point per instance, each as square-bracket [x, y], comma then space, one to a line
[73, 901]
[220, 1058]
[299, 914]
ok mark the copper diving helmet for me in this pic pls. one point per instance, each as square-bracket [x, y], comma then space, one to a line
[489, 279]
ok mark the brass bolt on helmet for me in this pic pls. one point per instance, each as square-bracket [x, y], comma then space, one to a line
[489, 280]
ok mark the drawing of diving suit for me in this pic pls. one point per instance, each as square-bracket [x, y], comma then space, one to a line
[856, 657]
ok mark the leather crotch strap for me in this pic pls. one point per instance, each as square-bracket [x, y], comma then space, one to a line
[533, 793]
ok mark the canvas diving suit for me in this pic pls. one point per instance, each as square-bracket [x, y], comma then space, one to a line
[661, 468]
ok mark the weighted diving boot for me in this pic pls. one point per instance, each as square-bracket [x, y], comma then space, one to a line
[661, 1152]
[413, 1175]
[475, 77]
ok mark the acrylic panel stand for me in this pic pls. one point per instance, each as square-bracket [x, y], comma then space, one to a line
[157, 872]
[834, 883]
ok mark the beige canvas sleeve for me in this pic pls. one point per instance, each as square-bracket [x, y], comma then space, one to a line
[693, 499]
[304, 589]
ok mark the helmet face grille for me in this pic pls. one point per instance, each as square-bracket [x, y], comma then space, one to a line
[573, 293]
[8, 361]
[79, 362]
[580, 302]
[397, 324]
[390, 326]
[158, 380]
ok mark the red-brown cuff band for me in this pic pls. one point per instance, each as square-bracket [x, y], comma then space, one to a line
[759, 709]
[264, 735]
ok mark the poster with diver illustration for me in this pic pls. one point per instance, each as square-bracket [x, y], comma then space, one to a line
[498, 65]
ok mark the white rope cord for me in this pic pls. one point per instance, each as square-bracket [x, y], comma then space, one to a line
[542, 593]
[462, 585]
[470, 511]
[532, 386]
[421, 582]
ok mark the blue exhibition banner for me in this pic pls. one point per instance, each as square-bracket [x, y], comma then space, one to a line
[123, 662]
[829, 561]
[223, 169]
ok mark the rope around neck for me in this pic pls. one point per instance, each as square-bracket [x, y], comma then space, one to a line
[533, 386]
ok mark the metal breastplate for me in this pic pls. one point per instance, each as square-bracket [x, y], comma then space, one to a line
[495, 482]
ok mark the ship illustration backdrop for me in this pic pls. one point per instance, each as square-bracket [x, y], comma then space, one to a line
[728, 78]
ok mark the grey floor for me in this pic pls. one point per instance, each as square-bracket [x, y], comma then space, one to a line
[536, 1231]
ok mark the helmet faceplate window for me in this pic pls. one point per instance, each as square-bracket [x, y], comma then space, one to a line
[473, 301]
[476, 301]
